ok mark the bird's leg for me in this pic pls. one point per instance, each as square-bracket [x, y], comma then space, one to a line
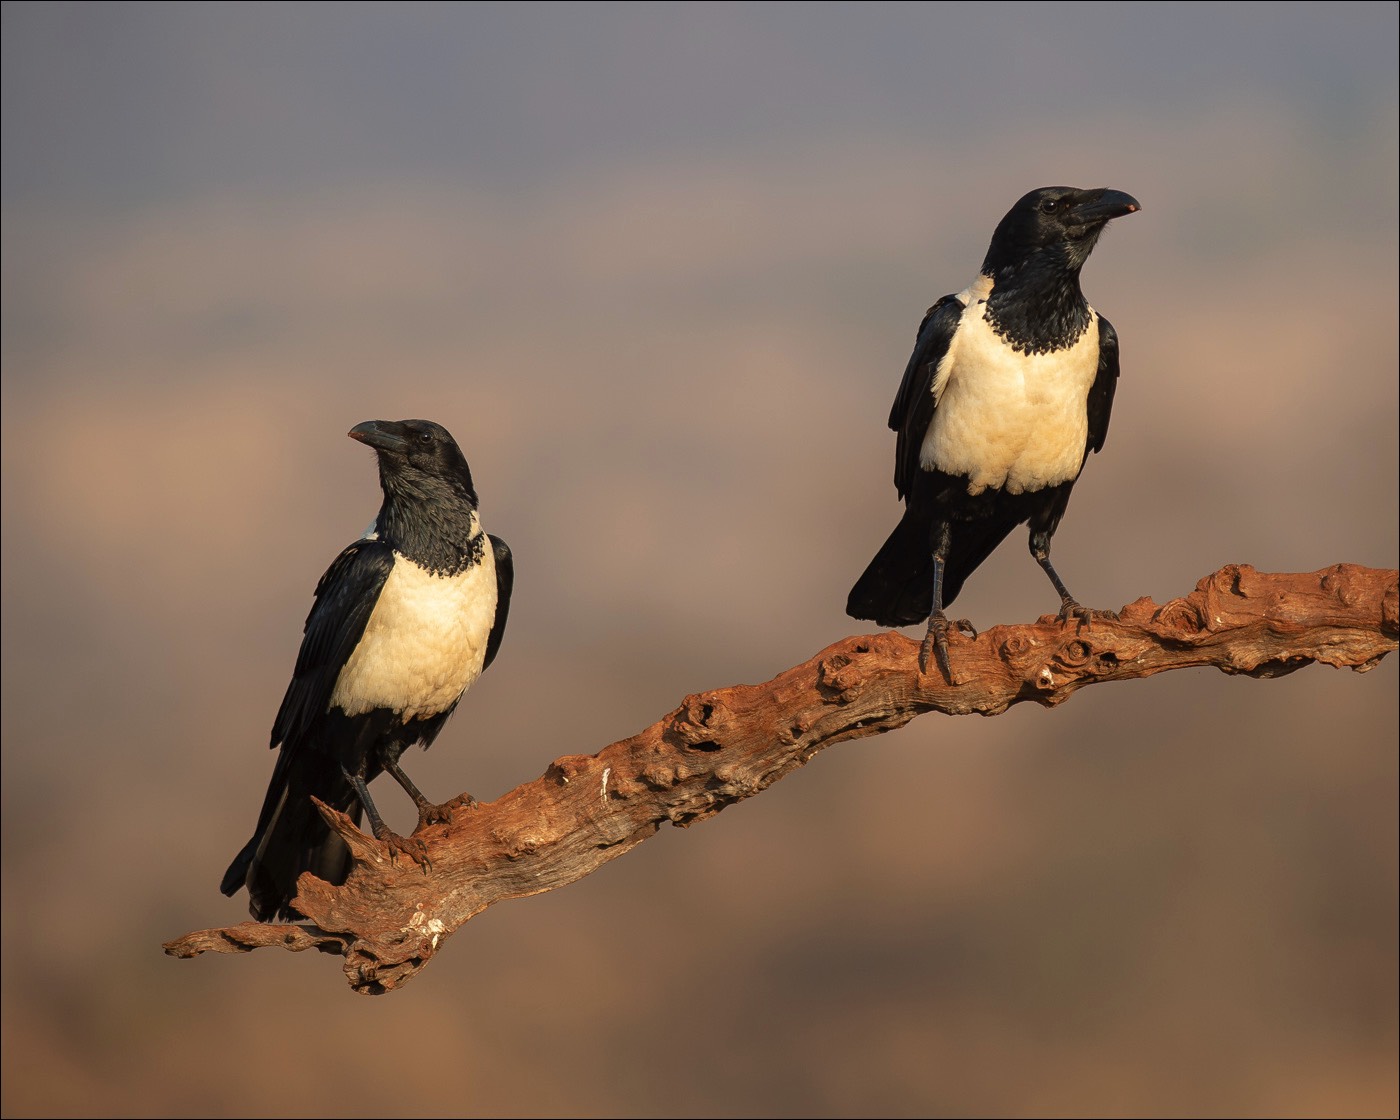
[413, 849]
[936, 640]
[1069, 606]
[428, 813]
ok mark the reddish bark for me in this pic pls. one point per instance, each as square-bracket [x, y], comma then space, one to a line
[719, 747]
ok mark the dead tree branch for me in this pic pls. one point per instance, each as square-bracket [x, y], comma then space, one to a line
[719, 747]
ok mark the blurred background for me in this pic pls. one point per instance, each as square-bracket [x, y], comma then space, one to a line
[659, 269]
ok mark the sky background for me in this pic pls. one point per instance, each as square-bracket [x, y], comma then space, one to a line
[658, 269]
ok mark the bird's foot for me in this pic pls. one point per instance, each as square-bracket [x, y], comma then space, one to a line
[408, 846]
[428, 813]
[1070, 610]
[936, 642]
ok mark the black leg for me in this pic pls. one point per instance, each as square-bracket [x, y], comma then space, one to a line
[936, 640]
[428, 813]
[376, 822]
[391, 764]
[1069, 606]
[414, 849]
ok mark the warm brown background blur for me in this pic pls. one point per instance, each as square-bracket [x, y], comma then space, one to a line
[659, 270]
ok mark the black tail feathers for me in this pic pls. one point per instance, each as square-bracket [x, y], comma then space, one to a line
[291, 837]
[896, 588]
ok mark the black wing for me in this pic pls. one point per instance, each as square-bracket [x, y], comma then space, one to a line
[1101, 392]
[345, 599]
[913, 404]
[505, 580]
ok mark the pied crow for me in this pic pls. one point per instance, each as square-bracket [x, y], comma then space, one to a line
[1008, 390]
[404, 621]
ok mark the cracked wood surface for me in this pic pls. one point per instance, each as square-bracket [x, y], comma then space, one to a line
[391, 917]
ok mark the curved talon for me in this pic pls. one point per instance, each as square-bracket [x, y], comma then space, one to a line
[966, 627]
[1083, 617]
[442, 814]
[1069, 608]
[414, 849]
[936, 642]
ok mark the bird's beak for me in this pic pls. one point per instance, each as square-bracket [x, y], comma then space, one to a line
[1104, 205]
[379, 434]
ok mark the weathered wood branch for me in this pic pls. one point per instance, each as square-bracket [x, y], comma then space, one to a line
[719, 747]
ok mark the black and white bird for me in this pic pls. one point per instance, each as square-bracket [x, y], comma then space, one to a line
[404, 622]
[1008, 390]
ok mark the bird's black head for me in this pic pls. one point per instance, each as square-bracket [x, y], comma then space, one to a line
[418, 460]
[1055, 228]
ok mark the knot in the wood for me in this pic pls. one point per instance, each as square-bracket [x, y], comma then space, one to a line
[1025, 658]
[1229, 580]
[1351, 585]
[839, 676]
[1341, 580]
[798, 726]
[1181, 617]
[565, 769]
[700, 722]
[1075, 653]
[1220, 597]
[382, 962]
[1015, 647]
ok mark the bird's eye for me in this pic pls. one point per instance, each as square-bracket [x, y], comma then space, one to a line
[425, 438]
[1049, 205]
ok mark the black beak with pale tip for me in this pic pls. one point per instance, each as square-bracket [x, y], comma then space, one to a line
[382, 435]
[1095, 207]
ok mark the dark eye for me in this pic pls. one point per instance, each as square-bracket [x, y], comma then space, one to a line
[425, 438]
[1049, 205]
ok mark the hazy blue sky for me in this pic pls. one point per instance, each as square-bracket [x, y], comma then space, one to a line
[133, 104]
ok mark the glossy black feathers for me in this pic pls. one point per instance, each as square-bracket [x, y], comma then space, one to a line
[419, 603]
[1016, 336]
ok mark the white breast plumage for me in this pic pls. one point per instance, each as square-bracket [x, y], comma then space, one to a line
[425, 642]
[1007, 419]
